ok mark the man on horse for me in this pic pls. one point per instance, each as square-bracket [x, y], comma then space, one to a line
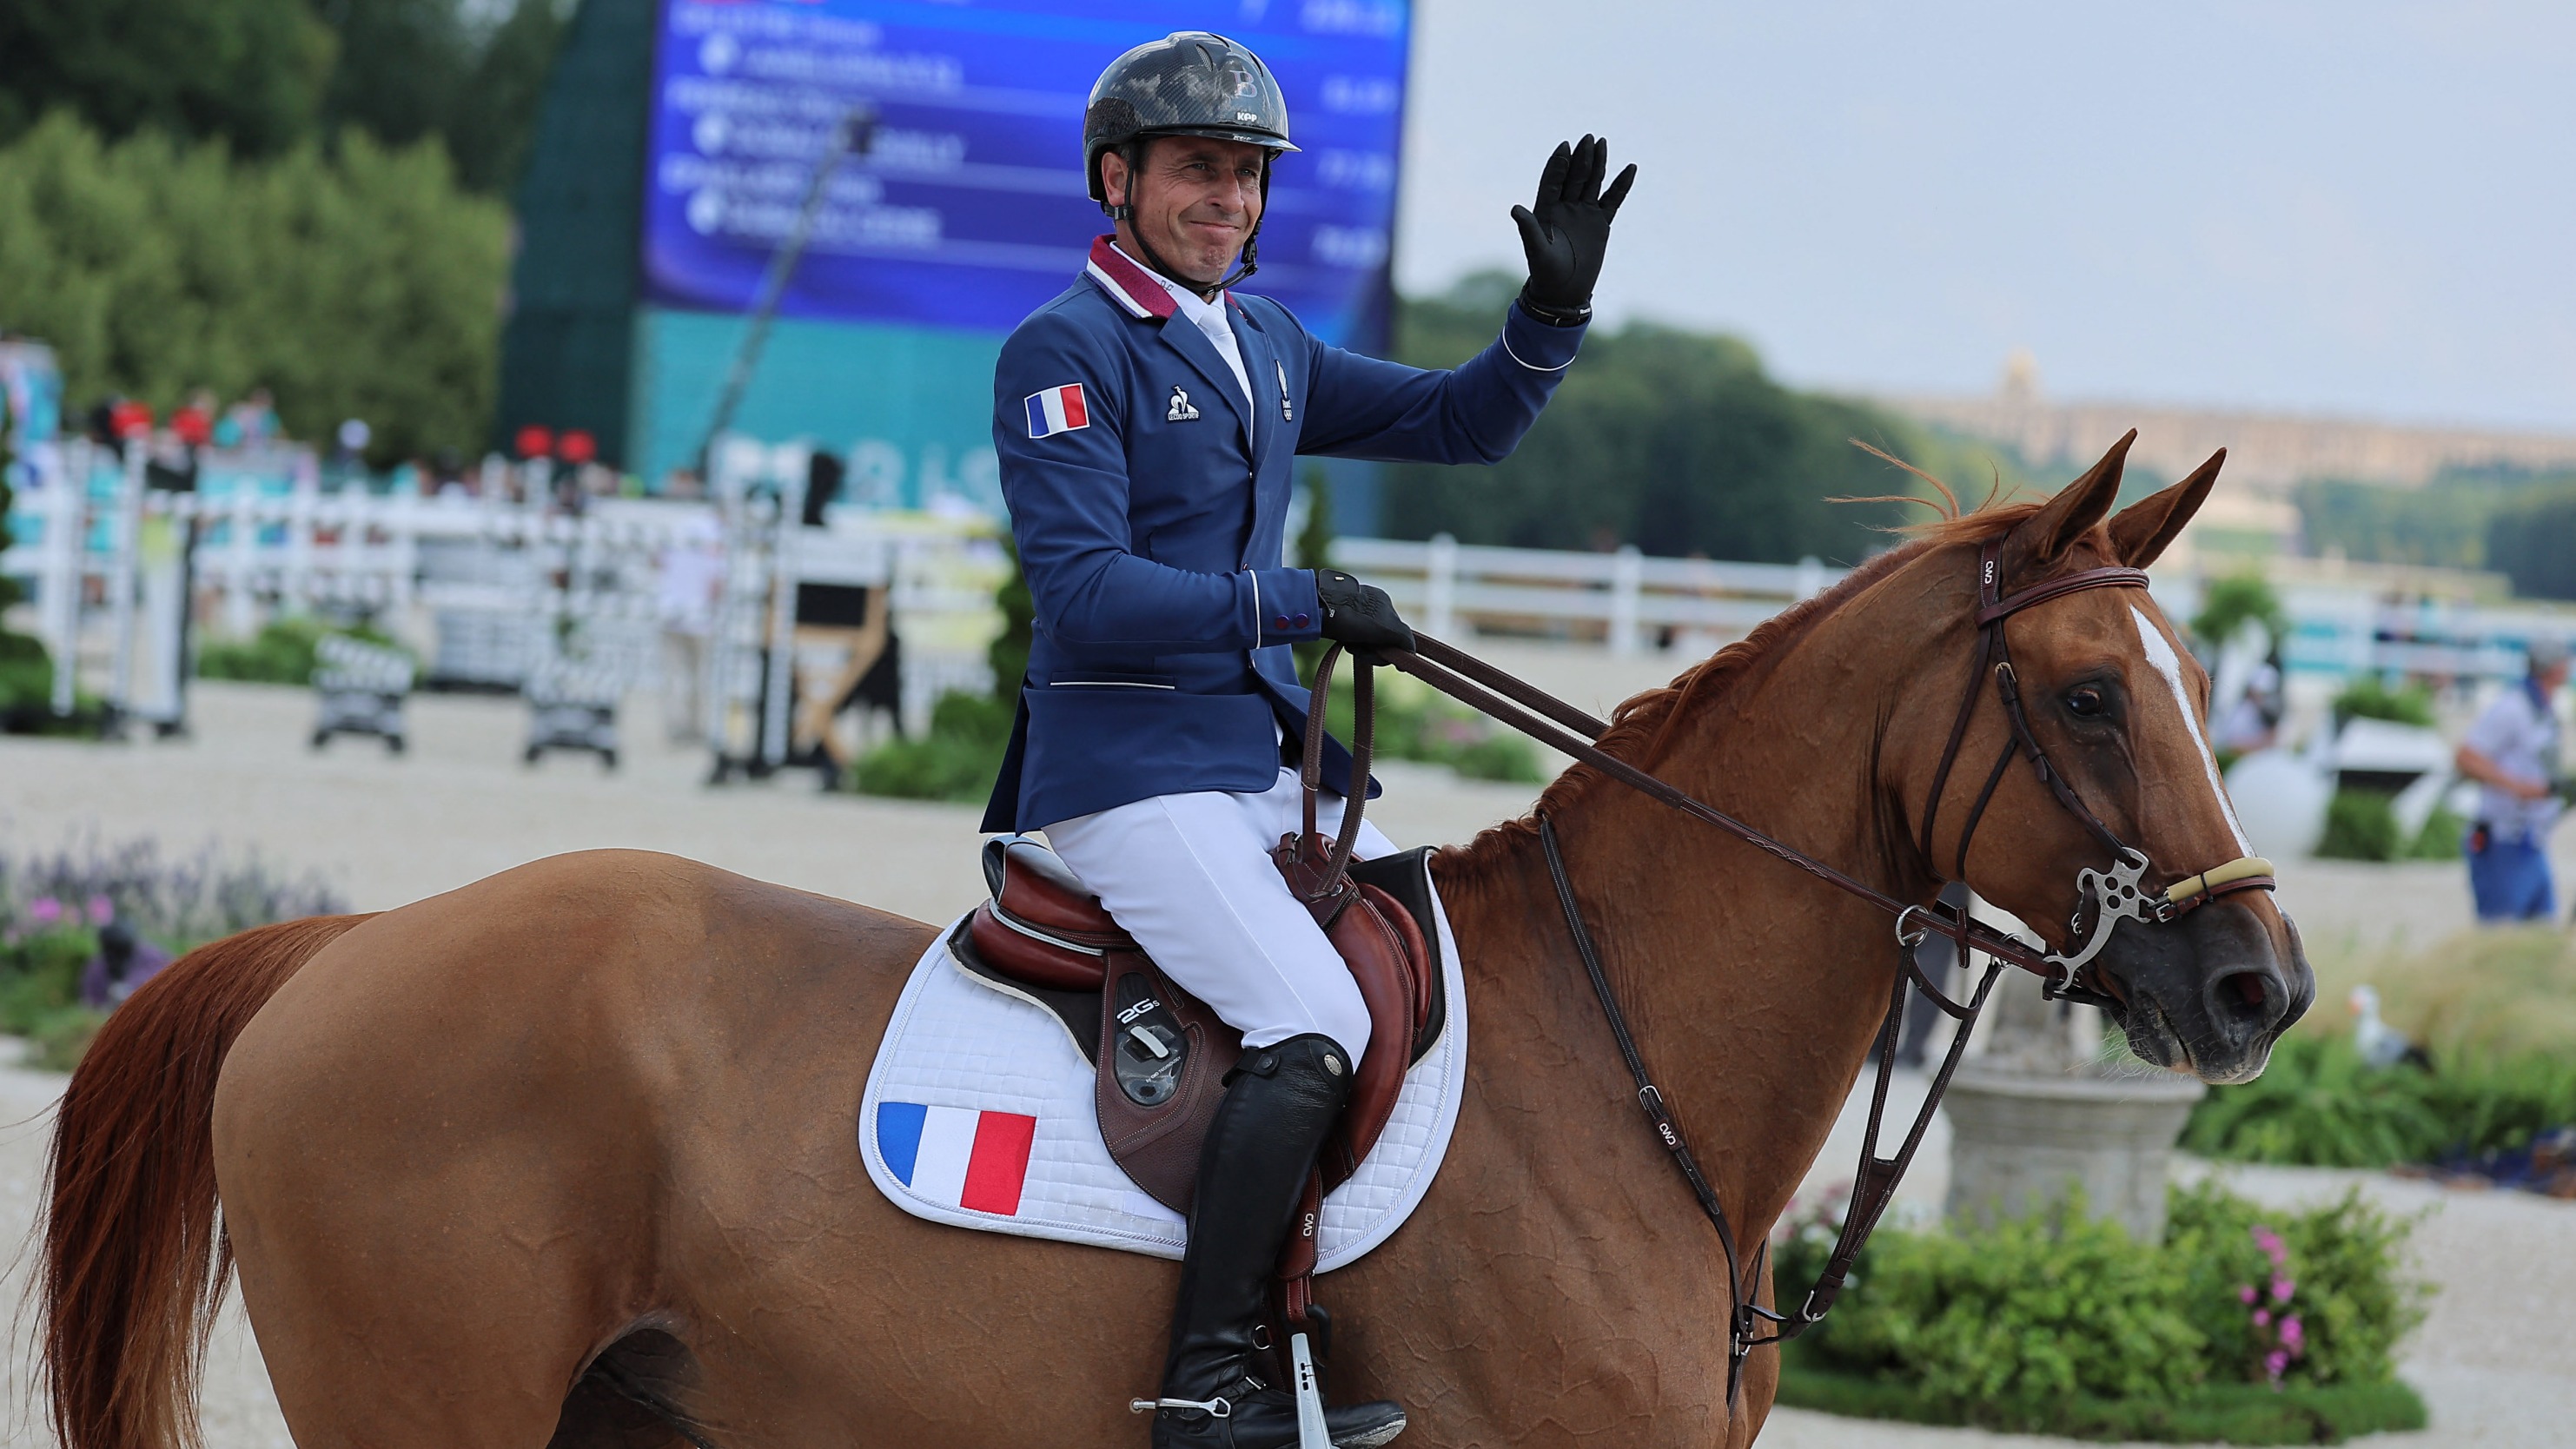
[1147, 420]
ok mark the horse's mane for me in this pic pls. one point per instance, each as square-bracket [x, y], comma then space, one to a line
[1642, 726]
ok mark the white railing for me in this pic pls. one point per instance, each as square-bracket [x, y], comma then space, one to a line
[1621, 599]
[1625, 599]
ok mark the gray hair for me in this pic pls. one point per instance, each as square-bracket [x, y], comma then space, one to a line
[2545, 654]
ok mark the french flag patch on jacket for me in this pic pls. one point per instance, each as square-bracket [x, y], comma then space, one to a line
[956, 1156]
[1057, 410]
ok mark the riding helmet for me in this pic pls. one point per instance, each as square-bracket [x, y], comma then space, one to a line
[1189, 83]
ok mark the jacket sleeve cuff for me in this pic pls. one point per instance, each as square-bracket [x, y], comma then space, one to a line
[1536, 345]
[1284, 607]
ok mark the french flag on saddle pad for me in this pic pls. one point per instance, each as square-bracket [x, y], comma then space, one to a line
[1057, 410]
[957, 1156]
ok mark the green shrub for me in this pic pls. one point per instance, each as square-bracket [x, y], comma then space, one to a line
[2440, 837]
[2367, 698]
[2319, 1105]
[2057, 1323]
[2343, 1262]
[2231, 601]
[2360, 825]
[956, 761]
[2212, 1413]
[2009, 1319]
[26, 674]
[281, 653]
[40, 976]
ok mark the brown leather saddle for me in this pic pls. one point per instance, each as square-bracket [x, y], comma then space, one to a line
[1160, 1056]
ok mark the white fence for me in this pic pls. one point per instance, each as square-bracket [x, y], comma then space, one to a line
[1623, 599]
[1627, 602]
[489, 587]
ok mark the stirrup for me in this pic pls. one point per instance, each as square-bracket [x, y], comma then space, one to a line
[1216, 1408]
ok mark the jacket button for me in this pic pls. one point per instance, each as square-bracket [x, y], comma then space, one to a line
[1303, 620]
[1281, 622]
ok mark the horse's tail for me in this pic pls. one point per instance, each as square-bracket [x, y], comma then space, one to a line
[134, 1264]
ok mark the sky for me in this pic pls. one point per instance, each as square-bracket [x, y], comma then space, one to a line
[2360, 209]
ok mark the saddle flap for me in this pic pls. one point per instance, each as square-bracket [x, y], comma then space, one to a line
[1384, 950]
[1160, 1074]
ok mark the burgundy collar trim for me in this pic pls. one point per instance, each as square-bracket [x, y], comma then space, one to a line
[1129, 285]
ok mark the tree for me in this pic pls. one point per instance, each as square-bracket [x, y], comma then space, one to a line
[249, 71]
[362, 284]
[2532, 540]
[1674, 441]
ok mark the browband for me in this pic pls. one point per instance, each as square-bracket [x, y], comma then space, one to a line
[2107, 578]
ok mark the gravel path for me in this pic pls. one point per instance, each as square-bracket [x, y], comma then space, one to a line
[2494, 1360]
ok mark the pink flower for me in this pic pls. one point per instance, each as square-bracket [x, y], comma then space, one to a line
[2245, 1293]
[101, 910]
[2262, 1318]
[44, 910]
[2281, 1288]
[2274, 1362]
[2294, 1335]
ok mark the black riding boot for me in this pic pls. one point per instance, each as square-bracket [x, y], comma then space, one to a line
[1260, 1147]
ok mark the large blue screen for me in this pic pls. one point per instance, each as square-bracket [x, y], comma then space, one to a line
[970, 211]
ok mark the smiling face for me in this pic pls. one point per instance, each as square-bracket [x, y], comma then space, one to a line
[1196, 202]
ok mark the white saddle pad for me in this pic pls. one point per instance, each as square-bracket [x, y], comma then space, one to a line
[979, 1113]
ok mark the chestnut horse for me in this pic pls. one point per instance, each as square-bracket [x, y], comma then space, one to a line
[568, 1155]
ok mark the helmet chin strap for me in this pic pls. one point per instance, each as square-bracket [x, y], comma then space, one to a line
[1249, 263]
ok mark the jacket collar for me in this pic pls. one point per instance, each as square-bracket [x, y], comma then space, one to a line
[1129, 285]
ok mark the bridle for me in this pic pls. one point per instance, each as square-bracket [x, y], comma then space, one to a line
[2107, 897]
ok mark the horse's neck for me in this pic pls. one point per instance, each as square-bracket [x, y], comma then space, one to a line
[1753, 988]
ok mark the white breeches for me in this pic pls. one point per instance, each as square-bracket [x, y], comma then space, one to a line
[1190, 877]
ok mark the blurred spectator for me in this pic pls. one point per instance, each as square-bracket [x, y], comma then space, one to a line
[194, 422]
[2255, 721]
[686, 589]
[2512, 750]
[250, 422]
[123, 963]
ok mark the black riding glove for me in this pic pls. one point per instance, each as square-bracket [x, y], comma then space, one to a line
[1568, 232]
[1358, 614]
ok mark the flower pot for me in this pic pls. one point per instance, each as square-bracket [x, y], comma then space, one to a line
[2020, 1141]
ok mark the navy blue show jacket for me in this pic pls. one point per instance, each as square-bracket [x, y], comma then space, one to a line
[1151, 515]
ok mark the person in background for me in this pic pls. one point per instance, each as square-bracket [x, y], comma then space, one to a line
[124, 962]
[686, 589]
[2512, 750]
[252, 421]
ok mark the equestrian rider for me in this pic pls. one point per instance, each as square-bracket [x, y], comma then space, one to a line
[1147, 420]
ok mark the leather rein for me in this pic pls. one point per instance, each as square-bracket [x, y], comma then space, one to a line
[2105, 897]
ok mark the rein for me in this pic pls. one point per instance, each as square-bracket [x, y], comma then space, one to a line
[2109, 897]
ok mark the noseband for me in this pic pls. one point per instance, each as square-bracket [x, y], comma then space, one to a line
[2106, 897]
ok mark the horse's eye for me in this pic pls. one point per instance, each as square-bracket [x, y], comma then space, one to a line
[2085, 702]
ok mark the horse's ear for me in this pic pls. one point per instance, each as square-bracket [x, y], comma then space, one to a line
[2142, 529]
[2038, 540]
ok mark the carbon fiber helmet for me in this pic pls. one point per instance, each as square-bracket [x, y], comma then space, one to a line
[1189, 83]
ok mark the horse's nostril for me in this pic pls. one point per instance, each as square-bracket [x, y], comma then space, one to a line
[2249, 986]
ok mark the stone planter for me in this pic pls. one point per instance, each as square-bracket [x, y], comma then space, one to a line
[2018, 1141]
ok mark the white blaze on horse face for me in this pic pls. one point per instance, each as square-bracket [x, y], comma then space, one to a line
[2160, 653]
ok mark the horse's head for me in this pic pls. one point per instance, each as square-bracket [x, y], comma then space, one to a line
[2116, 702]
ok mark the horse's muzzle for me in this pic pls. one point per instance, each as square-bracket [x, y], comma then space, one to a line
[2212, 992]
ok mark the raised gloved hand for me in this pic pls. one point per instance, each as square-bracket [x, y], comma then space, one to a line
[1568, 232]
[1358, 614]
